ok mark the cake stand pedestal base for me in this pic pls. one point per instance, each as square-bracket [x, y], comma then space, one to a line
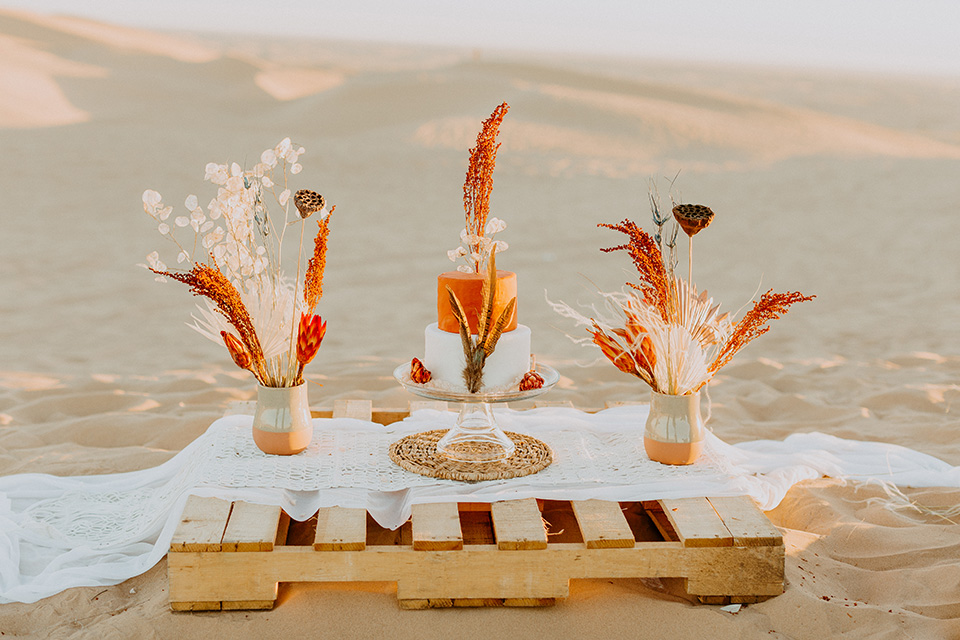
[476, 437]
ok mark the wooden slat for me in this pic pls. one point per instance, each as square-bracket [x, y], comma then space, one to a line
[696, 522]
[341, 529]
[357, 409]
[436, 527]
[478, 571]
[655, 512]
[446, 603]
[388, 416]
[252, 527]
[202, 524]
[436, 405]
[602, 524]
[518, 525]
[747, 524]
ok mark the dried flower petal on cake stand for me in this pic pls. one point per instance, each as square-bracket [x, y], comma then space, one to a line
[531, 380]
[418, 372]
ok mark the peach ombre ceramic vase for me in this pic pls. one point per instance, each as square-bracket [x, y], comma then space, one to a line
[674, 431]
[282, 423]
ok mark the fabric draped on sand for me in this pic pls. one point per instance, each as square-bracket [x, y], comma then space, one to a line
[61, 532]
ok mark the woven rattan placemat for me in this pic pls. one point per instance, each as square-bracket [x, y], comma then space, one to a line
[418, 453]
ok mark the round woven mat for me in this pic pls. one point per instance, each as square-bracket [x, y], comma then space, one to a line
[418, 453]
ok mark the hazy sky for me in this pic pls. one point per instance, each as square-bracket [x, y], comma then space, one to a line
[885, 35]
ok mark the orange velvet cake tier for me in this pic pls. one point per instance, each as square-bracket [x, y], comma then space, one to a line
[469, 290]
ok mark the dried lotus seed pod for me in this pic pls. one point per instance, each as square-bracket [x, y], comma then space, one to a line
[308, 202]
[693, 218]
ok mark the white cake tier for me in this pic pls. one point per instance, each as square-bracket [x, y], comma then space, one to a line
[443, 357]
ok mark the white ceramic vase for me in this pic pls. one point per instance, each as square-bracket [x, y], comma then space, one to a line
[674, 430]
[282, 424]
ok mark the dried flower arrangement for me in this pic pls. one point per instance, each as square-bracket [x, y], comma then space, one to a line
[476, 351]
[267, 323]
[667, 333]
[476, 238]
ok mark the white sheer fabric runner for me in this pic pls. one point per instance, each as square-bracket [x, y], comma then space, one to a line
[100, 530]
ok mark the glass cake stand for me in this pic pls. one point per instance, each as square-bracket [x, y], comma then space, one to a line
[476, 436]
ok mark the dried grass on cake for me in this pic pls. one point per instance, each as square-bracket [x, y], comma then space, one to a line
[477, 237]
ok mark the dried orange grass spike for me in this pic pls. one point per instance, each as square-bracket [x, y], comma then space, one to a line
[210, 283]
[646, 256]
[479, 182]
[313, 280]
[753, 324]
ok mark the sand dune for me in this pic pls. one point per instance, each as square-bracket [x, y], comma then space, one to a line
[124, 39]
[29, 93]
[837, 186]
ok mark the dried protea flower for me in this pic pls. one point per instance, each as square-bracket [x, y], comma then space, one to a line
[693, 218]
[312, 330]
[308, 202]
[418, 372]
[241, 357]
[531, 380]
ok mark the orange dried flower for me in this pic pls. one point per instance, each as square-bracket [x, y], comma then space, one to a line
[419, 373]
[753, 324]
[647, 258]
[479, 181]
[312, 330]
[531, 380]
[241, 357]
[210, 283]
[612, 350]
[313, 280]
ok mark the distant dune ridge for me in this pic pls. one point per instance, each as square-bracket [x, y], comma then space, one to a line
[620, 127]
[841, 186]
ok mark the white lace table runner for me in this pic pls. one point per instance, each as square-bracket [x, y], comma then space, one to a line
[347, 453]
[57, 533]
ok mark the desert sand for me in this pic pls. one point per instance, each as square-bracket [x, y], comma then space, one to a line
[840, 185]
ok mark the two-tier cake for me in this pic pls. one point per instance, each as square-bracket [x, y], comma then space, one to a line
[507, 363]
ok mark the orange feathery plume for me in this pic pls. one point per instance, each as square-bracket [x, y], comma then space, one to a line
[313, 281]
[648, 260]
[753, 324]
[210, 283]
[479, 182]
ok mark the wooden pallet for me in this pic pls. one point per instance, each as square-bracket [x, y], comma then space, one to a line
[515, 553]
